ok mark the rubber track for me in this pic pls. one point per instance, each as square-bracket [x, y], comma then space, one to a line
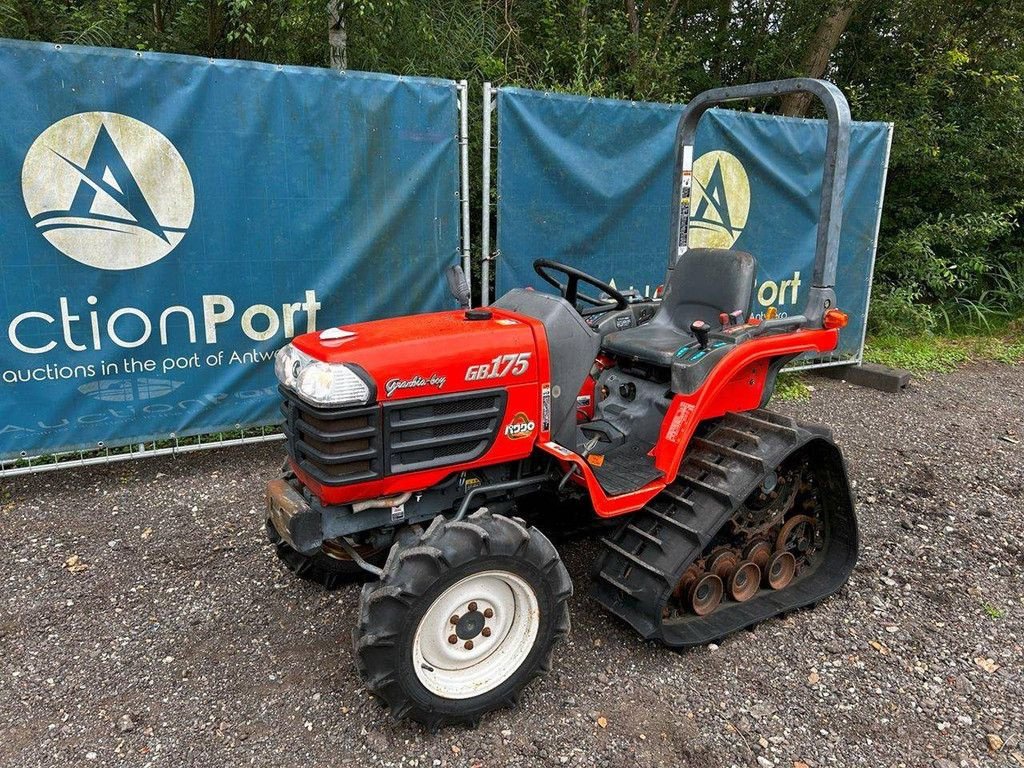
[642, 561]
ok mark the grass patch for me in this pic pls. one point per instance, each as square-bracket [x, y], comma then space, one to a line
[928, 353]
[920, 354]
[1004, 351]
[791, 387]
[991, 611]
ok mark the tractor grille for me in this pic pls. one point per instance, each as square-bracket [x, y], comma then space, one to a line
[335, 445]
[447, 429]
[338, 446]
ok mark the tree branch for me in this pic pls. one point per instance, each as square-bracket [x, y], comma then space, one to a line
[823, 43]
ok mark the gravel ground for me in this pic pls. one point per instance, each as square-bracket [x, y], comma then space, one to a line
[145, 622]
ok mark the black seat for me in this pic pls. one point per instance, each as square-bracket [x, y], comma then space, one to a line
[704, 283]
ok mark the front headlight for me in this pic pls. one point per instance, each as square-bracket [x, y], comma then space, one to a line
[331, 384]
[285, 365]
[320, 383]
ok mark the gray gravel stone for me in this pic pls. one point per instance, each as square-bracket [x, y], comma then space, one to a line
[260, 671]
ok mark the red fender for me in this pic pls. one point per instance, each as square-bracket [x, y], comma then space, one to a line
[736, 384]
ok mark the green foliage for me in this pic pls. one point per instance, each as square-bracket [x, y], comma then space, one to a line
[1001, 349]
[928, 353]
[921, 354]
[791, 387]
[278, 31]
[950, 78]
[949, 75]
[991, 611]
[900, 308]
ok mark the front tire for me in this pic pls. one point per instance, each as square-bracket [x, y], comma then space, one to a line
[463, 618]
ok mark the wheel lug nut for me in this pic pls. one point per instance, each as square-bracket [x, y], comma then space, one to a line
[486, 632]
[488, 613]
[469, 645]
[453, 639]
[472, 607]
[454, 619]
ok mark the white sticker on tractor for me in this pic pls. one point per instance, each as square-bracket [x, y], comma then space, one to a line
[545, 408]
[676, 425]
[558, 449]
[521, 426]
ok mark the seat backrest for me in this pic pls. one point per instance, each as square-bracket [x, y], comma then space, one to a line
[705, 283]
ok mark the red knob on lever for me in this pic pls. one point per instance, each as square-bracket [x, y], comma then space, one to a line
[723, 318]
[700, 329]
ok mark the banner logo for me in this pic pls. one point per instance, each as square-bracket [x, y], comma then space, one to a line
[127, 390]
[107, 190]
[721, 200]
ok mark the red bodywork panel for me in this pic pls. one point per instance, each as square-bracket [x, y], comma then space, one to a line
[442, 353]
[735, 384]
[445, 352]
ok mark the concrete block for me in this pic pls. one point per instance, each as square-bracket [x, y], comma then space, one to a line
[870, 375]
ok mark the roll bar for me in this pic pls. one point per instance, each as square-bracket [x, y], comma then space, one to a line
[821, 296]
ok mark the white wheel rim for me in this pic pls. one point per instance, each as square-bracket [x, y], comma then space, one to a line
[492, 641]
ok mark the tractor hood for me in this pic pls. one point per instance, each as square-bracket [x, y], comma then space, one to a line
[438, 353]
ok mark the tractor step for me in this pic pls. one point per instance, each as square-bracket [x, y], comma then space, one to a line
[644, 561]
[626, 468]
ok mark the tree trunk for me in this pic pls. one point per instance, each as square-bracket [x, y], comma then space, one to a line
[823, 43]
[721, 37]
[212, 28]
[158, 17]
[634, 18]
[337, 38]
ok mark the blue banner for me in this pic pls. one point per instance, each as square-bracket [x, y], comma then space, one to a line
[168, 222]
[589, 182]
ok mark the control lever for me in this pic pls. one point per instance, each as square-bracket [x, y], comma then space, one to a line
[723, 318]
[587, 448]
[736, 317]
[700, 329]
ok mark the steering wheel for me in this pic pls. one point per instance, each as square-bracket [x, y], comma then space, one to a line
[570, 290]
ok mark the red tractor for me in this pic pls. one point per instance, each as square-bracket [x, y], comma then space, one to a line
[414, 443]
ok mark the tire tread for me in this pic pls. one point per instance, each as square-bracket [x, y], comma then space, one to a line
[412, 566]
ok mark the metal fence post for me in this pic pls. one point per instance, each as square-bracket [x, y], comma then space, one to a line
[485, 200]
[463, 88]
[874, 247]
